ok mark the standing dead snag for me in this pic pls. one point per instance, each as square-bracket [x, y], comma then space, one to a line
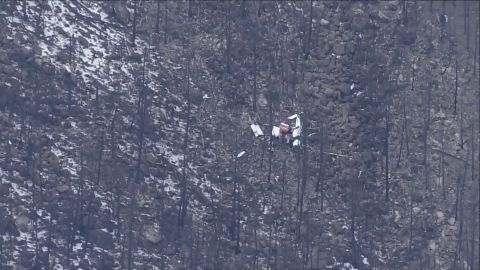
[308, 37]
[157, 18]
[165, 24]
[426, 129]
[321, 166]
[134, 23]
[387, 134]
[183, 186]
[456, 88]
[255, 40]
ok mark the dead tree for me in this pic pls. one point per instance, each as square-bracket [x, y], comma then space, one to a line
[354, 202]
[134, 23]
[404, 134]
[234, 195]
[183, 186]
[410, 241]
[305, 167]
[157, 18]
[255, 56]
[284, 181]
[321, 165]
[456, 88]
[476, 49]
[308, 37]
[24, 9]
[473, 229]
[165, 20]
[228, 40]
[426, 131]
[386, 146]
[413, 76]
[442, 165]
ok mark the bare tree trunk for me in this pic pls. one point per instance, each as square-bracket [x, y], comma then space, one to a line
[442, 165]
[476, 49]
[426, 131]
[134, 23]
[387, 134]
[284, 181]
[184, 191]
[255, 40]
[157, 18]
[413, 76]
[307, 40]
[456, 88]
[410, 242]
[228, 38]
[165, 24]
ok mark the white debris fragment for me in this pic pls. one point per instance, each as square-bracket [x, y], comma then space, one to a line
[324, 22]
[257, 131]
[352, 86]
[67, 68]
[293, 116]
[241, 154]
[297, 131]
[296, 143]
[206, 96]
[276, 131]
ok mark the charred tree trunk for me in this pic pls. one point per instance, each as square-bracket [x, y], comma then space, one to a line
[255, 40]
[456, 88]
[184, 191]
[157, 18]
[307, 40]
[425, 135]
[386, 146]
[134, 23]
[165, 24]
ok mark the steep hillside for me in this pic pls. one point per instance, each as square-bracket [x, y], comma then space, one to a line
[121, 125]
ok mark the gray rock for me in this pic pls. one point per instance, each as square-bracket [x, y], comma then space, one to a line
[152, 234]
[339, 48]
[7, 69]
[324, 22]
[4, 190]
[24, 223]
[102, 239]
[7, 224]
[151, 158]
[83, 41]
[63, 188]
[121, 12]
[3, 57]
[329, 92]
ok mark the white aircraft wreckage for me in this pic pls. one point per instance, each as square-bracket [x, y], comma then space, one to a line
[291, 135]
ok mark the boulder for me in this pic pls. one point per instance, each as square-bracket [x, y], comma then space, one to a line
[102, 239]
[5, 190]
[339, 48]
[121, 12]
[152, 234]
[3, 57]
[64, 188]
[7, 69]
[24, 223]
[7, 224]
[83, 41]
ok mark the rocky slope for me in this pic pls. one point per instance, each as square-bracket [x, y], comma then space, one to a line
[121, 122]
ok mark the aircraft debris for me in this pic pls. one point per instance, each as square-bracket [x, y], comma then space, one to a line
[257, 131]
